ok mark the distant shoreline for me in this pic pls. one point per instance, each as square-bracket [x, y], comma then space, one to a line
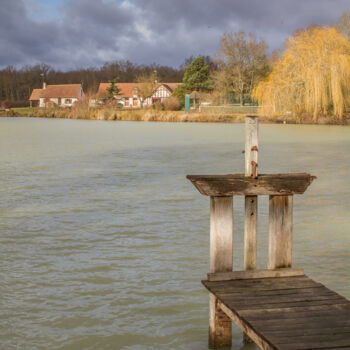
[148, 115]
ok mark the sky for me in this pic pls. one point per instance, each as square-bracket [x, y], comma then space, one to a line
[72, 34]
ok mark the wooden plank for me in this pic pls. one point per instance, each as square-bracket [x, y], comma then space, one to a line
[249, 274]
[306, 292]
[239, 184]
[280, 231]
[336, 344]
[271, 293]
[273, 283]
[297, 325]
[306, 321]
[221, 257]
[261, 341]
[289, 306]
[221, 234]
[250, 231]
[306, 331]
[311, 309]
[310, 338]
[279, 299]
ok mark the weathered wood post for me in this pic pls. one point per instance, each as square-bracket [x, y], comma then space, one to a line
[251, 202]
[221, 255]
[280, 231]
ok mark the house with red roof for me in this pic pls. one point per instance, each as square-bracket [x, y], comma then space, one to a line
[129, 95]
[63, 95]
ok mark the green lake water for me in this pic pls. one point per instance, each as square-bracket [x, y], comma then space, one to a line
[103, 241]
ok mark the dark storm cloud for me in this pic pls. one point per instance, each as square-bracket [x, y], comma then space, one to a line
[90, 32]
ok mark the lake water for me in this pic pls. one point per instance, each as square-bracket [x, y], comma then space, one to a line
[103, 241]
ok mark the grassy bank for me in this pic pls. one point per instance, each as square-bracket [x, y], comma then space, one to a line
[150, 115]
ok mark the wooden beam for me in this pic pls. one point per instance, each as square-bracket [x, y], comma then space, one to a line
[239, 184]
[251, 274]
[250, 332]
[251, 143]
[280, 231]
[221, 234]
[251, 202]
[250, 231]
[221, 258]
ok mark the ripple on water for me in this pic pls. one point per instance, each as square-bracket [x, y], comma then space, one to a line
[103, 241]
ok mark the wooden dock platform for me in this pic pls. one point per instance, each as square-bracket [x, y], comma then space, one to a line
[280, 307]
[285, 312]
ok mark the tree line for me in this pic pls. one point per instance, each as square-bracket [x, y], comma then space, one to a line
[310, 76]
[16, 84]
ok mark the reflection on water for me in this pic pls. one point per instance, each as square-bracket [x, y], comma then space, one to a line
[103, 241]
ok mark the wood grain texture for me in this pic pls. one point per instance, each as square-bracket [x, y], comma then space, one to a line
[221, 258]
[239, 184]
[250, 231]
[250, 202]
[251, 274]
[280, 231]
[221, 234]
[305, 315]
[251, 143]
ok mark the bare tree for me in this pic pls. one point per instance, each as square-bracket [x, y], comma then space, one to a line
[242, 62]
[343, 25]
[147, 85]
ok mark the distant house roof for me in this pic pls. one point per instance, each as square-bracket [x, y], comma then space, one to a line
[172, 86]
[35, 95]
[56, 91]
[127, 89]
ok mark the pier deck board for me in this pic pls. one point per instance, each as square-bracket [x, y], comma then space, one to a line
[285, 312]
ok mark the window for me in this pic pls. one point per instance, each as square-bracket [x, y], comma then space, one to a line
[68, 101]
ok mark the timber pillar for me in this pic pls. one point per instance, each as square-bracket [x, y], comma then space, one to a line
[221, 255]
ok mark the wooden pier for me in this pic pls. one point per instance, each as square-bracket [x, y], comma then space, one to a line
[280, 307]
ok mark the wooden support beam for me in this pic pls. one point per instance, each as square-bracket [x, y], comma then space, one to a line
[239, 184]
[280, 231]
[251, 274]
[221, 258]
[221, 234]
[250, 232]
[250, 202]
[251, 143]
[248, 331]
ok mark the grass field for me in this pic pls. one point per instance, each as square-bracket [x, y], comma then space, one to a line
[23, 110]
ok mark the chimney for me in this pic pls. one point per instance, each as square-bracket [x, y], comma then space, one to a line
[44, 85]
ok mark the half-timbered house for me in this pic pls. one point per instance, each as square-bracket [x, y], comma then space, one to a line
[129, 95]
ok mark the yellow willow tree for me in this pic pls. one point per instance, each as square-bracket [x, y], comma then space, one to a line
[311, 77]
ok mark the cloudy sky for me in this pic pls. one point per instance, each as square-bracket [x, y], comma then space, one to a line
[86, 33]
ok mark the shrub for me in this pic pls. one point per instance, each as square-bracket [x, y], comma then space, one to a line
[172, 104]
[5, 104]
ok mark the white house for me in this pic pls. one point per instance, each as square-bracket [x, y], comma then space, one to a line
[129, 93]
[64, 95]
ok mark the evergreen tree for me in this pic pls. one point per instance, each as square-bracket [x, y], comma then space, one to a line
[196, 76]
[113, 89]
